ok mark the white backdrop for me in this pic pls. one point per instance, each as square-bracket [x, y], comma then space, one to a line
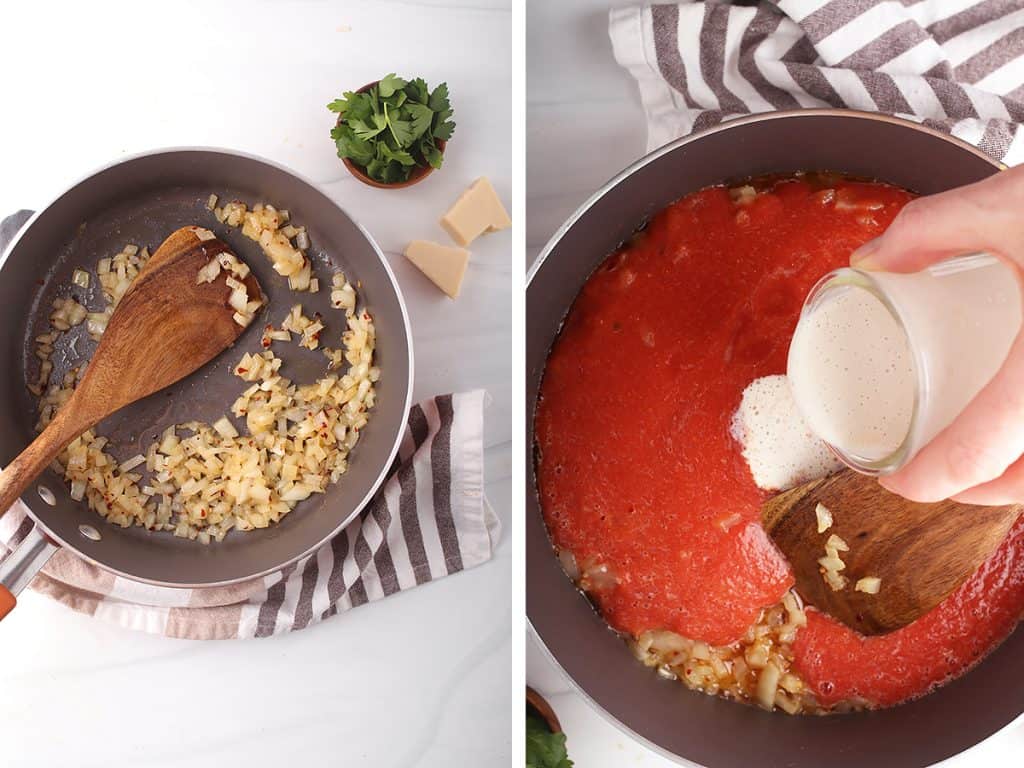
[427, 678]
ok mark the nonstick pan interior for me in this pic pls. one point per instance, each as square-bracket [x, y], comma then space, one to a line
[706, 730]
[141, 201]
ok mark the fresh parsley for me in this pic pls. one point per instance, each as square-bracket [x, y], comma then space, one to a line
[393, 127]
[544, 749]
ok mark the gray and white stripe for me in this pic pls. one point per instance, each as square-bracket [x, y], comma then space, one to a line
[430, 519]
[957, 65]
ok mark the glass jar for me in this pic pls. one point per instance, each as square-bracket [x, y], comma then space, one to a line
[881, 362]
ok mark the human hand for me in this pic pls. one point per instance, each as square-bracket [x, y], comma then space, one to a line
[979, 458]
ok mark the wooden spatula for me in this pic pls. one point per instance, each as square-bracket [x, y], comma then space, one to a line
[165, 327]
[921, 552]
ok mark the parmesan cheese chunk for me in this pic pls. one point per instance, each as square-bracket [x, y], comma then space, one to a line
[445, 266]
[477, 210]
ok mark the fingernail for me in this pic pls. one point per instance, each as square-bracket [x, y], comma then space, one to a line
[862, 258]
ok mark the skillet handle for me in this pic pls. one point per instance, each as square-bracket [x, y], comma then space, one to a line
[21, 566]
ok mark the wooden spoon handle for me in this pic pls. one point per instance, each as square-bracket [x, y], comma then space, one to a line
[7, 601]
[30, 463]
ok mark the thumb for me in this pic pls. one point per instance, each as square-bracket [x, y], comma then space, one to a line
[978, 217]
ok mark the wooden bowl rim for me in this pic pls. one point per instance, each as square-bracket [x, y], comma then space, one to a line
[546, 712]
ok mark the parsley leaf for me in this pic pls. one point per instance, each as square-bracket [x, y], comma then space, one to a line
[439, 98]
[443, 130]
[544, 749]
[368, 131]
[351, 146]
[399, 156]
[401, 130]
[360, 106]
[393, 127]
[417, 91]
[421, 116]
[443, 127]
[432, 154]
[389, 84]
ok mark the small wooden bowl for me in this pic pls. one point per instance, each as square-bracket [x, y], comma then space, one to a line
[418, 173]
[543, 710]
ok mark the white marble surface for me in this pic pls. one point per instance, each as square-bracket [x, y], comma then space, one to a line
[427, 678]
[584, 124]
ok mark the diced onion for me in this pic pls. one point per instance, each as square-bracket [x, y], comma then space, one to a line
[238, 299]
[568, 561]
[824, 517]
[80, 278]
[266, 225]
[208, 273]
[831, 563]
[767, 684]
[132, 463]
[225, 428]
[869, 584]
[836, 543]
[727, 522]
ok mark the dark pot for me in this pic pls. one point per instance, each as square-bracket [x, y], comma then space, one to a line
[665, 714]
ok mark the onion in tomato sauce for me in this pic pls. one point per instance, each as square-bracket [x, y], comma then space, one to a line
[643, 485]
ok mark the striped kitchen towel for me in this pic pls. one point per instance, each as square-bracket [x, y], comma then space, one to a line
[954, 65]
[429, 519]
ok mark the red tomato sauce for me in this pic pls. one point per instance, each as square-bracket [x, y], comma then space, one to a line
[638, 472]
[839, 664]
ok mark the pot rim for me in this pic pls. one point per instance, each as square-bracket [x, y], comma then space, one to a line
[725, 126]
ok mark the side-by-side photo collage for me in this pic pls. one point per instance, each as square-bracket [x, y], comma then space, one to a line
[502, 383]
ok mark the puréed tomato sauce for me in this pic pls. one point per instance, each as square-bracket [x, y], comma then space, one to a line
[637, 470]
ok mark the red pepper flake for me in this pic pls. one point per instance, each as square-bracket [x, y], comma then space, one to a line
[242, 370]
